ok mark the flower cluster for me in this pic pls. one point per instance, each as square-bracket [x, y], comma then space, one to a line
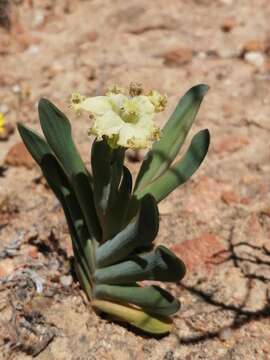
[125, 119]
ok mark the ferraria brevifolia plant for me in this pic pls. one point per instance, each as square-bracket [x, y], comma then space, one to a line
[112, 221]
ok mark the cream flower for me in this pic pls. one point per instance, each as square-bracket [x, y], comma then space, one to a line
[125, 120]
[2, 123]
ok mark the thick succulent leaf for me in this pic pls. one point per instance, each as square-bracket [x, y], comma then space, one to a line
[57, 130]
[160, 264]
[140, 232]
[151, 299]
[135, 317]
[107, 168]
[59, 183]
[83, 279]
[163, 152]
[181, 171]
[35, 144]
[82, 188]
[116, 215]
[106, 180]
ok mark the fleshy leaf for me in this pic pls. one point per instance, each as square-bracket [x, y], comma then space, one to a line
[140, 232]
[151, 299]
[135, 317]
[57, 130]
[174, 133]
[160, 264]
[35, 144]
[181, 171]
[107, 168]
[59, 183]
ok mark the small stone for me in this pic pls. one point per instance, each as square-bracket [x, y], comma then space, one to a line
[92, 36]
[16, 89]
[202, 252]
[253, 45]
[66, 280]
[225, 334]
[229, 197]
[33, 49]
[33, 252]
[255, 58]
[178, 56]
[4, 109]
[228, 24]
[18, 155]
[39, 19]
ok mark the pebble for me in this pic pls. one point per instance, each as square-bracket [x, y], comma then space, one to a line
[66, 280]
[39, 19]
[4, 109]
[255, 58]
[225, 334]
[18, 155]
[178, 56]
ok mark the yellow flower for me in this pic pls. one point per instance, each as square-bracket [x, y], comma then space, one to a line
[126, 120]
[2, 123]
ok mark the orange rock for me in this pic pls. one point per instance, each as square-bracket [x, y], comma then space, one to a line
[18, 155]
[229, 197]
[92, 36]
[6, 267]
[254, 45]
[33, 252]
[202, 252]
[228, 24]
[178, 56]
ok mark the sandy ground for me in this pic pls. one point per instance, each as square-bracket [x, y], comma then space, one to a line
[219, 222]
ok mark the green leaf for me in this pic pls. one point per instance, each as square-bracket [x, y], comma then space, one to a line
[57, 180]
[82, 188]
[151, 299]
[181, 171]
[174, 133]
[135, 317]
[107, 168]
[115, 219]
[57, 130]
[160, 264]
[35, 144]
[60, 185]
[140, 232]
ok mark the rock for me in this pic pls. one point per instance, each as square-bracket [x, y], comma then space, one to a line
[253, 45]
[33, 252]
[178, 56]
[230, 197]
[18, 155]
[7, 267]
[66, 280]
[38, 19]
[92, 36]
[255, 58]
[228, 24]
[225, 334]
[200, 253]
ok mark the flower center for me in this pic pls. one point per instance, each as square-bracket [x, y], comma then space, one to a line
[130, 112]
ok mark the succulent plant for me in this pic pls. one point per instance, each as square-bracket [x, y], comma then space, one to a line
[112, 222]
